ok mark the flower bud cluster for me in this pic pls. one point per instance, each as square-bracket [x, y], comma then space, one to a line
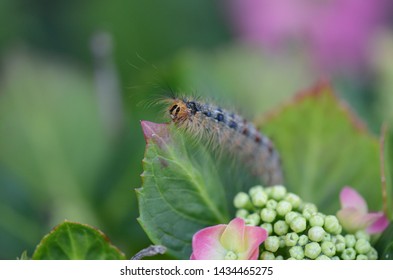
[296, 230]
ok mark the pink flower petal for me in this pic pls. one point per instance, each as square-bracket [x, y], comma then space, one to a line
[380, 223]
[350, 198]
[352, 220]
[206, 244]
[233, 237]
[254, 255]
[243, 240]
[249, 254]
[255, 236]
[354, 214]
[213, 243]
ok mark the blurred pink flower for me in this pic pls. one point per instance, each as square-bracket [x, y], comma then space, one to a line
[354, 214]
[234, 241]
[334, 32]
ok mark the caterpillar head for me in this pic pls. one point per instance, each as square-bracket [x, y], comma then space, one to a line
[180, 110]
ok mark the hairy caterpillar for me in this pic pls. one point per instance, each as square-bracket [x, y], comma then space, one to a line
[227, 130]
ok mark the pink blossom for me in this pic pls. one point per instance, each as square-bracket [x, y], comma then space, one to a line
[354, 214]
[232, 241]
[332, 32]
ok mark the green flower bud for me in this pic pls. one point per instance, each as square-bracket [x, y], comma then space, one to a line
[242, 213]
[279, 257]
[348, 254]
[291, 239]
[242, 200]
[311, 207]
[327, 237]
[312, 250]
[253, 219]
[338, 237]
[332, 225]
[271, 204]
[308, 213]
[255, 189]
[282, 241]
[316, 234]
[230, 256]
[303, 240]
[361, 257]
[361, 234]
[323, 258]
[339, 241]
[280, 227]
[291, 259]
[293, 199]
[267, 256]
[278, 192]
[259, 199]
[268, 215]
[317, 219]
[309, 210]
[268, 190]
[328, 248]
[268, 227]
[335, 258]
[350, 240]
[372, 254]
[297, 252]
[272, 243]
[362, 246]
[283, 207]
[298, 224]
[290, 216]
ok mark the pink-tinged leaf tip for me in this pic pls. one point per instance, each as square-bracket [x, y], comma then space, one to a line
[156, 131]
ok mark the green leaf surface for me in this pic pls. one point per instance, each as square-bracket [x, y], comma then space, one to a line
[181, 190]
[384, 245]
[74, 241]
[324, 147]
[388, 159]
[49, 108]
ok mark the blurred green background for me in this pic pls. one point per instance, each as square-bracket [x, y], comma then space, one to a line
[76, 77]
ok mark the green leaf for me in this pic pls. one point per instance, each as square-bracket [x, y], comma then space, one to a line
[323, 148]
[52, 109]
[384, 245]
[388, 159]
[181, 190]
[384, 82]
[74, 241]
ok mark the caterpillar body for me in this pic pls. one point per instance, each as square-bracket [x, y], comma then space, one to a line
[226, 130]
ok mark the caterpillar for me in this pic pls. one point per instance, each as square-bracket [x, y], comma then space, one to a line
[229, 131]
